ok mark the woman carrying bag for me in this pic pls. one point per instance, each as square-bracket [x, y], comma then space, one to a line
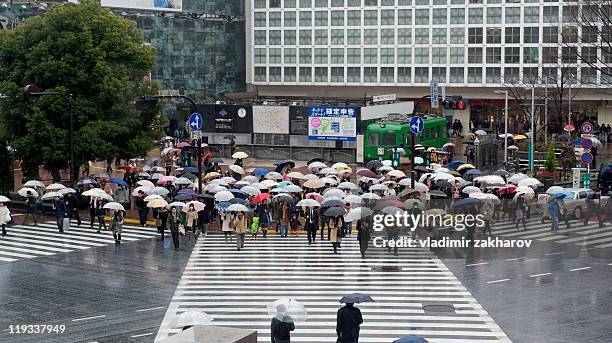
[336, 232]
[191, 217]
[117, 225]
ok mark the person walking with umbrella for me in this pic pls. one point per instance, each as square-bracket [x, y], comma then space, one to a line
[73, 211]
[336, 232]
[240, 227]
[312, 222]
[284, 218]
[363, 235]
[142, 208]
[162, 221]
[5, 217]
[281, 326]
[117, 225]
[349, 318]
[30, 205]
[173, 225]
[60, 210]
[191, 219]
[520, 211]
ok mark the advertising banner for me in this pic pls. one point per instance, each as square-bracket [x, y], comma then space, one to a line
[332, 123]
[227, 118]
[152, 5]
[271, 119]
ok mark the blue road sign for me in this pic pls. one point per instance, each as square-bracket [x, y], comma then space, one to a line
[195, 122]
[587, 158]
[417, 125]
[587, 144]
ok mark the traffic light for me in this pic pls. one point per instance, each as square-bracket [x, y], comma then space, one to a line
[460, 104]
[395, 159]
[454, 103]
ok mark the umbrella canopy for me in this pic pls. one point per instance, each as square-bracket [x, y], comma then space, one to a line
[159, 191]
[316, 165]
[65, 191]
[211, 175]
[293, 189]
[443, 184]
[334, 193]
[379, 188]
[501, 172]
[101, 175]
[334, 211]
[455, 164]
[113, 206]
[50, 195]
[82, 182]
[370, 196]
[558, 196]
[182, 181]
[347, 185]
[250, 190]
[406, 192]
[284, 165]
[152, 197]
[166, 179]
[191, 318]
[554, 190]
[157, 203]
[314, 184]
[55, 187]
[156, 176]
[411, 339]
[24, 192]
[491, 180]
[119, 182]
[516, 178]
[385, 168]
[224, 196]
[438, 194]
[144, 189]
[261, 197]
[308, 203]
[283, 197]
[358, 213]
[411, 202]
[287, 310]
[198, 206]
[273, 176]
[183, 145]
[471, 189]
[296, 175]
[333, 203]
[465, 166]
[315, 196]
[146, 183]
[397, 173]
[481, 132]
[36, 184]
[251, 179]
[328, 171]
[519, 137]
[473, 172]
[4, 199]
[237, 169]
[513, 147]
[328, 181]
[240, 155]
[373, 165]
[352, 199]
[462, 203]
[238, 208]
[95, 193]
[531, 182]
[356, 298]
[366, 173]
[187, 191]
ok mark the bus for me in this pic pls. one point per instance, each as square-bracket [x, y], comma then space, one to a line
[382, 136]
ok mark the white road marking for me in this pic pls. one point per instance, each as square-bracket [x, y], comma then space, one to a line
[142, 334]
[476, 264]
[577, 269]
[515, 259]
[88, 318]
[496, 281]
[538, 275]
[150, 309]
[554, 253]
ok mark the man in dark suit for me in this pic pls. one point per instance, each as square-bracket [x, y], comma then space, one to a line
[312, 223]
[60, 210]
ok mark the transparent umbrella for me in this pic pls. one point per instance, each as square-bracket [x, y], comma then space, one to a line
[288, 310]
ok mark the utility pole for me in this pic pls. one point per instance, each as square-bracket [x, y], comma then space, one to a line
[412, 149]
[532, 149]
[546, 113]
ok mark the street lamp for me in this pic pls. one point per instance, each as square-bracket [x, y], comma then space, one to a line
[35, 91]
[505, 93]
[532, 148]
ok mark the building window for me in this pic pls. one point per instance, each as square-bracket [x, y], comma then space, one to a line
[275, 74]
[438, 36]
[370, 74]
[569, 55]
[438, 74]
[370, 2]
[475, 15]
[387, 2]
[259, 37]
[457, 55]
[337, 18]
[305, 3]
[321, 18]
[387, 17]
[260, 74]
[569, 34]
[550, 34]
[260, 55]
[474, 75]
[320, 74]
[289, 38]
[321, 37]
[337, 55]
[259, 19]
[305, 18]
[305, 74]
[589, 54]
[531, 35]
[421, 2]
[439, 16]
[513, 15]
[421, 36]
[404, 55]
[570, 74]
[370, 18]
[353, 3]
[321, 56]
[404, 36]
[353, 74]
[551, 14]
[337, 36]
[275, 55]
[370, 56]
[421, 55]
[260, 4]
[404, 17]
[457, 16]
[513, 35]
[290, 55]
[511, 75]
[370, 37]
[474, 55]
[456, 75]
[321, 3]
[353, 36]
[387, 56]
[421, 17]
[549, 75]
[337, 74]
[387, 36]
[493, 55]
[494, 15]
[530, 75]
[289, 74]
[531, 55]
[512, 55]
[404, 75]
[457, 36]
[289, 19]
[354, 55]
[421, 75]
[289, 3]
[550, 54]
[494, 35]
[275, 19]
[493, 75]
[438, 55]
[475, 35]
[305, 55]
[387, 74]
[588, 76]
[353, 18]
[305, 37]
[590, 34]
[274, 37]
[532, 14]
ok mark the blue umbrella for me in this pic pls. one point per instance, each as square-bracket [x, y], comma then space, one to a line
[239, 194]
[356, 298]
[119, 182]
[190, 170]
[333, 203]
[411, 339]
[187, 191]
[183, 197]
[260, 171]
[558, 196]
[455, 164]
[473, 172]
[466, 203]
[222, 205]
[279, 162]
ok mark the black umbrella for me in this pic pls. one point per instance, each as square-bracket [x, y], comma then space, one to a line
[438, 194]
[183, 197]
[152, 162]
[205, 196]
[284, 198]
[216, 160]
[317, 159]
[421, 169]
[443, 184]
[229, 137]
[333, 203]
[466, 203]
[374, 165]
[283, 165]
[334, 212]
[239, 194]
[239, 201]
[188, 175]
[356, 298]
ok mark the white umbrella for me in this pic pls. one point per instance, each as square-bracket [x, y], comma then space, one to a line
[310, 177]
[146, 183]
[250, 179]
[442, 176]
[397, 173]
[296, 175]
[370, 196]
[4, 199]
[513, 147]
[251, 190]
[237, 208]
[357, 213]
[55, 187]
[240, 155]
[182, 181]
[144, 189]
[152, 197]
[516, 178]
[268, 183]
[596, 142]
[217, 189]
[293, 189]
[441, 169]
[237, 169]
[503, 135]
[94, 192]
[34, 184]
[156, 176]
[308, 203]
[386, 162]
[227, 180]
[24, 192]
[65, 191]
[113, 206]
[347, 185]
[273, 176]
[328, 171]
[224, 196]
[492, 197]
[525, 190]
[219, 182]
[333, 193]
[531, 182]
[424, 176]
[288, 310]
[353, 199]
[51, 195]
[405, 182]
[481, 132]
[160, 191]
[554, 190]
[421, 187]
[328, 181]
[191, 318]
[378, 188]
[491, 180]
[176, 204]
[385, 168]
[471, 189]
[317, 164]
[157, 203]
[277, 190]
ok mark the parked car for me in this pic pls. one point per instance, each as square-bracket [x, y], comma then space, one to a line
[575, 200]
[604, 179]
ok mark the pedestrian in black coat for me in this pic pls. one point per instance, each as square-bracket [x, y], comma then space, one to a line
[363, 235]
[60, 210]
[347, 324]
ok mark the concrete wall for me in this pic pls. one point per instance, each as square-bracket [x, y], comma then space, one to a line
[604, 114]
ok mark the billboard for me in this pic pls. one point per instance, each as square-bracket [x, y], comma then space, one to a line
[271, 119]
[227, 118]
[332, 123]
[152, 5]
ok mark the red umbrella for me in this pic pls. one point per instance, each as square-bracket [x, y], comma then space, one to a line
[183, 145]
[395, 203]
[569, 128]
[261, 197]
[315, 196]
[366, 173]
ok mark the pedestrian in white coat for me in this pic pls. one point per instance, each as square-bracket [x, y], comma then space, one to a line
[5, 217]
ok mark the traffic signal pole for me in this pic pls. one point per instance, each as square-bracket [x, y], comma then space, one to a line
[412, 149]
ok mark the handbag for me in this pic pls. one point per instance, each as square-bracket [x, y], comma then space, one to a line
[181, 229]
[341, 233]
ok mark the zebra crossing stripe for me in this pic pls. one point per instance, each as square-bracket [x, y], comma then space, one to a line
[235, 287]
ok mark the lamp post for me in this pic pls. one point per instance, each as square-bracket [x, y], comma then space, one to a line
[532, 148]
[505, 93]
[35, 91]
